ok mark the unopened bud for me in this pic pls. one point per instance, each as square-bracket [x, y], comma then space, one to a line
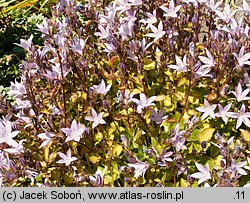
[204, 144]
[222, 163]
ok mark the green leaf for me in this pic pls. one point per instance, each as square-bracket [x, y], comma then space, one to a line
[68, 178]
[214, 151]
[194, 135]
[55, 174]
[205, 134]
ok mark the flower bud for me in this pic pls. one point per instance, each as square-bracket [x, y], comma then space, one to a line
[127, 180]
[194, 21]
[204, 144]
[190, 179]
[22, 161]
[87, 133]
[12, 165]
[105, 104]
[222, 163]
[171, 44]
[38, 166]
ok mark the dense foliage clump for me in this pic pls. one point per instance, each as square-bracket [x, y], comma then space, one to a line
[136, 93]
[18, 20]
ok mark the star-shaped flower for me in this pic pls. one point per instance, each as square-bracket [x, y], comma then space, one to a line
[140, 168]
[18, 149]
[226, 14]
[6, 134]
[204, 173]
[223, 112]
[74, 132]
[241, 116]
[181, 65]
[157, 32]
[157, 117]
[245, 8]
[101, 88]
[17, 89]
[241, 96]
[243, 59]
[179, 143]
[208, 61]
[125, 98]
[57, 72]
[150, 20]
[222, 142]
[109, 48]
[143, 102]
[212, 5]
[26, 44]
[235, 27]
[135, 2]
[202, 71]
[95, 118]
[44, 28]
[46, 137]
[164, 158]
[66, 159]
[171, 11]
[98, 178]
[237, 167]
[207, 109]
[104, 32]
[78, 45]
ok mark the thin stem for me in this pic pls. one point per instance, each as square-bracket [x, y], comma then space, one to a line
[189, 89]
[147, 127]
[174, 178]
[227, 79]
[63, 89]
[186, 101]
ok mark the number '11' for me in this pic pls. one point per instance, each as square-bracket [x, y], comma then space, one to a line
[240, 195]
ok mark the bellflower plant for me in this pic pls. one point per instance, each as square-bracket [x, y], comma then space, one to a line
[131, 93]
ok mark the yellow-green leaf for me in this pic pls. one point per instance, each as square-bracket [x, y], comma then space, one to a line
[46, 154]
[181, 82]
[167, 101]
[245, 134]
[136, 91]
[107, 179]
[205, 134]
[52, 157]
[117, 150]
[149, 65]
[160, 98]
[193, 100]
[84, 95]
[98, 137]
[184, 183]
[94, 159]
